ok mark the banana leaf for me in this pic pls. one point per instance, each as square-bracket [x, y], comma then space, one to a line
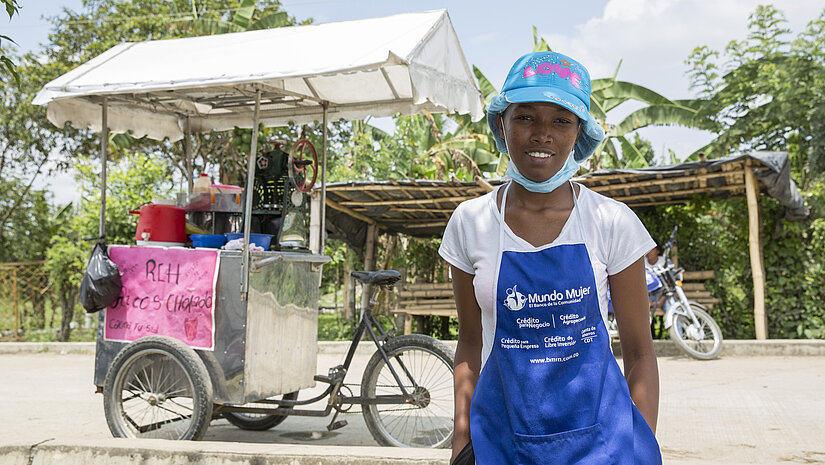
[597, 109]
[488, 90]
[613, 102]
[628, 90]
[272, 20]
[501, 167]
[610, 150]
[655, 115]
[214, 27]
[598, 85]
[243, 15]
[631, 156]
[706, 149]
[539, 44]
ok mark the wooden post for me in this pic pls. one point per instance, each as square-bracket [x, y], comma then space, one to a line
[369, 263]
[14, 299]
[349, 294]
[760, 320]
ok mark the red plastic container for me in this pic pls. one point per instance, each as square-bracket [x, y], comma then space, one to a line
[161, 223]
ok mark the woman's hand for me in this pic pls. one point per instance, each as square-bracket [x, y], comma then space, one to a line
[467, 355]
[631, 308]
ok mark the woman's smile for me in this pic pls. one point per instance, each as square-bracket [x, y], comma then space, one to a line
[541, 154]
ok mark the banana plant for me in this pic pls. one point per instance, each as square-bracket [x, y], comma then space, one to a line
[609, 93]
[617, 150]
[243, 20]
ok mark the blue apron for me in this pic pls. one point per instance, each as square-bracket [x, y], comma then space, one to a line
[551, 391]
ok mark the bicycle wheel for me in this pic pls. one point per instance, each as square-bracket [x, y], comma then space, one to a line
[426, 421]
[157, 387]
[702, 341]
[259, 421]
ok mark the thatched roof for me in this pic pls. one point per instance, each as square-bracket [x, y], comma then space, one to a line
[422, 208]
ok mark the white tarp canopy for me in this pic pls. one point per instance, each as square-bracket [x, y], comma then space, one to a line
[372, 67]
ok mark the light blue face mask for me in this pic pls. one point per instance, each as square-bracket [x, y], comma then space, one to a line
[562, 176]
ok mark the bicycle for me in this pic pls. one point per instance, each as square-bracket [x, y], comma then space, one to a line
[406, 390]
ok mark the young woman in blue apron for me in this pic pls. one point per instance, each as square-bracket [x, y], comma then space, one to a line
[535, 378]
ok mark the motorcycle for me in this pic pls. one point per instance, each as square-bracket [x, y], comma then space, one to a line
[690, 325]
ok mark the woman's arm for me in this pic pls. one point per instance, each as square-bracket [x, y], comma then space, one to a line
[630, 305]
[467, 355]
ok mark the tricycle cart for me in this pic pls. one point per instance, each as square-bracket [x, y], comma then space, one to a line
[263, 345]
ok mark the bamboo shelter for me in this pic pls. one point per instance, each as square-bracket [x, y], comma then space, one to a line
[356, 210]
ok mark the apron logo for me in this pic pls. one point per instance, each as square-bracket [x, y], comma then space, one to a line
[515, 300]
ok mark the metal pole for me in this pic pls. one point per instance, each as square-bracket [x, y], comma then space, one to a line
[325, 106]
[104, 149]
[250, 184]
[187, 150]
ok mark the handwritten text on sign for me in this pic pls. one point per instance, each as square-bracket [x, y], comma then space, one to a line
[168, 292]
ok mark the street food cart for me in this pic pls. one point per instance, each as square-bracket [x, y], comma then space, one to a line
[261, 307]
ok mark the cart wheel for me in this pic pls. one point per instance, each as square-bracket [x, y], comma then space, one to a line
[157, 387]
[427, 374]
[259, 421]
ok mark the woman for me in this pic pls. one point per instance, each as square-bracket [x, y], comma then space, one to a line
[535, 379]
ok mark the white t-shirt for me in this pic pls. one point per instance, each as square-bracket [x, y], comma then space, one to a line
[615, 239]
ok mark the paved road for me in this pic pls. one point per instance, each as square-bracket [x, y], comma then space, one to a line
[748, 410]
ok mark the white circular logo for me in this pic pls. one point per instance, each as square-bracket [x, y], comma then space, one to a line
[515, 300]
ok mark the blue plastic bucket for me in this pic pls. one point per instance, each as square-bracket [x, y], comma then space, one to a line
[261, 240]
[212, 241]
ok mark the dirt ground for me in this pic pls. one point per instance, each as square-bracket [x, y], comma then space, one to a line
[735, 410]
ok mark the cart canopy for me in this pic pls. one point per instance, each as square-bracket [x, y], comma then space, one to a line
[372, 67]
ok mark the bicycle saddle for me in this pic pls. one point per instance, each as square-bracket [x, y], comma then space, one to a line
[380, 277]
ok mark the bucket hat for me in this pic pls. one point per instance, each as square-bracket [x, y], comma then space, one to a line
[554, 78]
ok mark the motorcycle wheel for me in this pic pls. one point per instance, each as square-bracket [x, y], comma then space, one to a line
[702, 341]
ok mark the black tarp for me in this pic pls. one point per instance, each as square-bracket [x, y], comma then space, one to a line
[772, 169]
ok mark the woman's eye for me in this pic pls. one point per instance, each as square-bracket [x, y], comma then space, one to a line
[524, 117]
[563, 121]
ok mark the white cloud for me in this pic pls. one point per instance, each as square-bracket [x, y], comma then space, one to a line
[654, 37]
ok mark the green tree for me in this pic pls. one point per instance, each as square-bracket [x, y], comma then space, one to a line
[6, 63]
[31, 147]
[78, 37]
[432, 152]
[26, 233]
[134, 180]
[66, 260]
[765, 92]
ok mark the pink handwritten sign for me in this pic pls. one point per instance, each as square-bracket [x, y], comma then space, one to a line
[168, 292]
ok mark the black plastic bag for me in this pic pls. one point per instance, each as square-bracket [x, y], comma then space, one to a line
[101, 283]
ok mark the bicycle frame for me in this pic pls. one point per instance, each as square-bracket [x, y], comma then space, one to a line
[336, 376]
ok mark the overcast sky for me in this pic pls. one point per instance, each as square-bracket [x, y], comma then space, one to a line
[652, 37]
